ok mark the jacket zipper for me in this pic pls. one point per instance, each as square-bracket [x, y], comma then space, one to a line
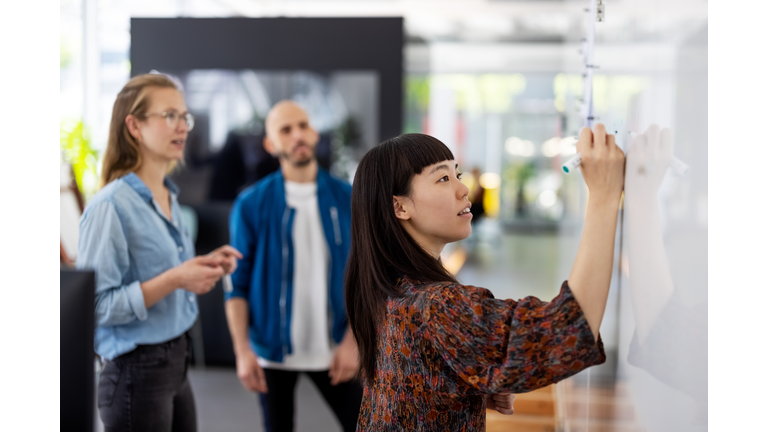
[330, 299]
[336, 227]
[337, 235]
[284, 290]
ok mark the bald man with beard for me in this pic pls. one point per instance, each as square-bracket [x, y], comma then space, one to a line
[286, 309]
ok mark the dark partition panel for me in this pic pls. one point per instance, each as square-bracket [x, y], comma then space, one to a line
[213, 231]
[76, 351]
[315, 44]
[321, 46]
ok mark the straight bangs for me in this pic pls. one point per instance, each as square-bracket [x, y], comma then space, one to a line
[411, 154]
[420, 151]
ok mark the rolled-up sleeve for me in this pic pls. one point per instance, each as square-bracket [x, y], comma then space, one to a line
[103, 247]
[499, 346]
[242, 238]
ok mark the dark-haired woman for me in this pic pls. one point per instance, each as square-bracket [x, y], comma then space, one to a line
[435, 353]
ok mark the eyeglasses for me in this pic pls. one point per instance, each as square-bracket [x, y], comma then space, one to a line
[172, 118]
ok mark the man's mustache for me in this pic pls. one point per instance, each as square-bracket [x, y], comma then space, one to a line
[302, 144]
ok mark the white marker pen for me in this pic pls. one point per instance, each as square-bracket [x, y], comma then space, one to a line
[572, 163]
[227, 283]
[679, 167]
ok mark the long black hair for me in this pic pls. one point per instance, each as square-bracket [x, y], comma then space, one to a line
[382, 251]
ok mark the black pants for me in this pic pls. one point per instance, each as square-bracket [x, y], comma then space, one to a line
[147, 390]
[278, 403]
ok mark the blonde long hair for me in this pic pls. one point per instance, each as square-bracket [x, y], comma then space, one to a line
[123, 155]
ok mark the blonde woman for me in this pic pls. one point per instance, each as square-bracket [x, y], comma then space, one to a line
[147, 274]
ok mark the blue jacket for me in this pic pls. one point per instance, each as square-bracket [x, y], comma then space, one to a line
[260, 228]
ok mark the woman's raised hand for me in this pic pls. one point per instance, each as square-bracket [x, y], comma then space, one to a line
[200, 274]
[602, 164]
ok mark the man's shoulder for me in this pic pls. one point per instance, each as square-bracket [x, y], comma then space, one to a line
[336, 183]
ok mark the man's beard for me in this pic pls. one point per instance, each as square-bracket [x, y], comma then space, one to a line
[298, 163]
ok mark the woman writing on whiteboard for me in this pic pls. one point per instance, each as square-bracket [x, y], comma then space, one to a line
[147, 275]
[435, 353]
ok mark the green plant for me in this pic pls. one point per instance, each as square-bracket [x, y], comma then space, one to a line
[75, 141]
[519, 174]
[345, 139]
[417, 92]
[348, 133]
[416, 102]
[65, 54]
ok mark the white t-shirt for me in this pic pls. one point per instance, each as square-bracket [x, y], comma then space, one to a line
[310, 331]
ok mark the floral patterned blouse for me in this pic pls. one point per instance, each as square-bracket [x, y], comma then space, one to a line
[443, 346]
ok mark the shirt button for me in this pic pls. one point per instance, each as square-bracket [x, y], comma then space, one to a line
[192, 298]
[181, 249]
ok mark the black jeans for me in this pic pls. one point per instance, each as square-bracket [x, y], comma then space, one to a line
[277, 404]
[147, 390]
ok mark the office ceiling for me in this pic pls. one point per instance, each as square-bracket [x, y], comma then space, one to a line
[526, 21]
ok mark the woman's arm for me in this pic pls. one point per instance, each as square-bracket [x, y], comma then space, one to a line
[506, 346]
[103, 247]
[590, 277]
[603, 169]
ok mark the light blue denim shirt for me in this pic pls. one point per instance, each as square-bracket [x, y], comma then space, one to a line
[127, 240]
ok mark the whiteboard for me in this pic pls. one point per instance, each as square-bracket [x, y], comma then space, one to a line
[653, 83]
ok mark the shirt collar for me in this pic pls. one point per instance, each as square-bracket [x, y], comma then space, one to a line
[171, 185]
[135, 182]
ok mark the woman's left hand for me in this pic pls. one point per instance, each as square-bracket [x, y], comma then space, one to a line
[502, 403]
[228, 256]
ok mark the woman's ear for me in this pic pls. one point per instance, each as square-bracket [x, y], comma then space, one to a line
[401, 212]
[133, 126]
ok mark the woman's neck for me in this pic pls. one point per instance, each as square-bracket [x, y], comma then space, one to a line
[152, 173]
[433, 248]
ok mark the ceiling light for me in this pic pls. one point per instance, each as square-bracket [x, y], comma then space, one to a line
[490, 180]
[568, 145]
[519, 147]
[551, 147]
[547, 199]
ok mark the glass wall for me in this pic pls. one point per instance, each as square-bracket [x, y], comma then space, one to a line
[518, 124]
[225, 150]
[651, 91]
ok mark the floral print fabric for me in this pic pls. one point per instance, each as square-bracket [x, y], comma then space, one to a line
[443, 346]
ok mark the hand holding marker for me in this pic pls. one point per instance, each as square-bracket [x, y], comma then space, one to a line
[679, 167]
